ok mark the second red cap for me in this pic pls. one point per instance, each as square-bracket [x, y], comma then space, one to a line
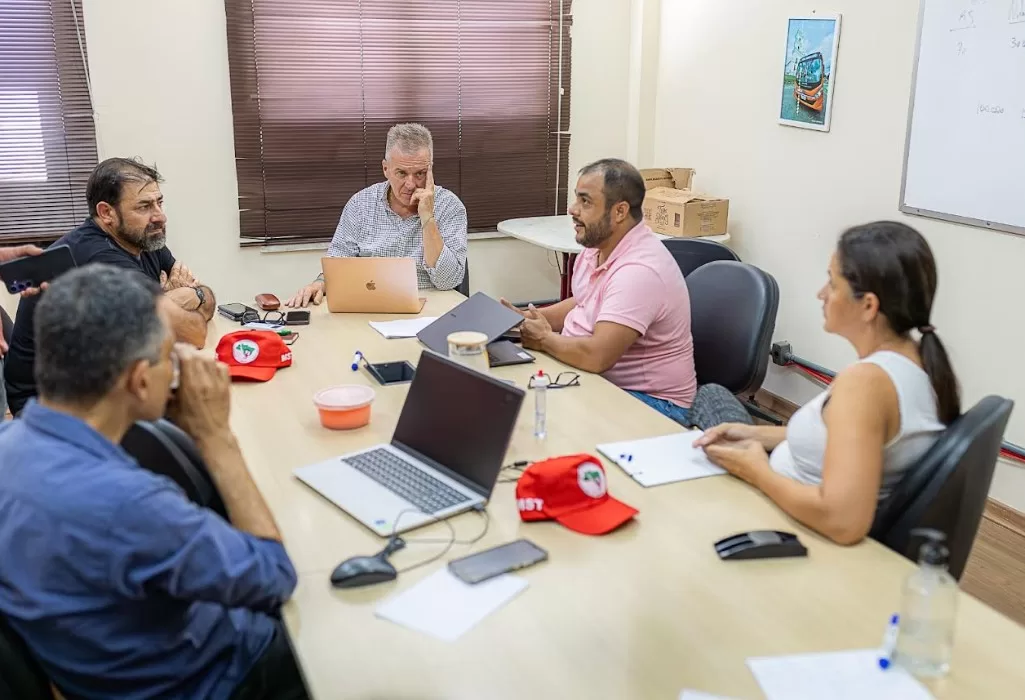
[573, 491]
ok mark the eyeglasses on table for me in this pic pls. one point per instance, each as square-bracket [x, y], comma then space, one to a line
[563, 380]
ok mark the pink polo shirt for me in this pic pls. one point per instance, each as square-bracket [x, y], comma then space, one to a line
[641, 287]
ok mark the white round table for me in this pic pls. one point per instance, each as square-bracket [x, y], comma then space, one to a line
[557, 233]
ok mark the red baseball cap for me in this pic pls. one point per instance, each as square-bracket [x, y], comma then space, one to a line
[573, 491]
[252, 354]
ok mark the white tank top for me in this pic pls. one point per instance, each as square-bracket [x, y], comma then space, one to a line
[801, 455]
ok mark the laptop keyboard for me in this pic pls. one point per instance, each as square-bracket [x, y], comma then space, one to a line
[399, 476]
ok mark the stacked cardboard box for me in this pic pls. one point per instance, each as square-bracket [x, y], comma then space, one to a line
[673, 208]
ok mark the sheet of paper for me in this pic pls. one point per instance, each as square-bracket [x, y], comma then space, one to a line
[840, 675]
[661, 460]
[698, 695]
[446, 608]
[403, 327]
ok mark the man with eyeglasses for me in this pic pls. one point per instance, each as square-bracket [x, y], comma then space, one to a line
[629, 316]
[120, 586]
[126, 227]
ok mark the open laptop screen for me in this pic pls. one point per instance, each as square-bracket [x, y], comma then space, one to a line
[460, 419]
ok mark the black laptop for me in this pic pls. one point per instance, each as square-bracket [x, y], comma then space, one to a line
[503, 353]
[479, 313]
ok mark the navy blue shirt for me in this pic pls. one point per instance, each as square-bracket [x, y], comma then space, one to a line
[119, 585]
[88, 243]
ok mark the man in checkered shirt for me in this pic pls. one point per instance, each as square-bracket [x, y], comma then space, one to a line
[407, 216]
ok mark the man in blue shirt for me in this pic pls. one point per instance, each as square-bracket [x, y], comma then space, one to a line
[120, 586]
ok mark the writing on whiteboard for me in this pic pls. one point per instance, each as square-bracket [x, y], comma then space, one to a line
[990, 109]
[966, 20]
[1017, 43]
[1017, 12]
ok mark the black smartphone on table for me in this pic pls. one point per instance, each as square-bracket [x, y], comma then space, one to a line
[297, 317]
[235, 311]
[32, 270]
[497, 561]
[392, 372]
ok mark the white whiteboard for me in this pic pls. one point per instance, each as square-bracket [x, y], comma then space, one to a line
[964, 158]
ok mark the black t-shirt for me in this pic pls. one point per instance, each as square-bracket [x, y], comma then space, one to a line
[89, 243]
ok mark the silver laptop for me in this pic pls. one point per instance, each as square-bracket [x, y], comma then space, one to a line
[444, 458]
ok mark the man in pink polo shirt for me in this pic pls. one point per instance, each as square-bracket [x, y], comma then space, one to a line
[629, 316]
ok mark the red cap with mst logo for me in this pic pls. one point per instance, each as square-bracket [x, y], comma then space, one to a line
[573, 491]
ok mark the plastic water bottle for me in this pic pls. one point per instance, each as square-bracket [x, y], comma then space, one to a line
[928, 609]
[540, 405]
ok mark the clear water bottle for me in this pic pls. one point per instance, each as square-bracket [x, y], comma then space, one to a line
[540, 384]
[928, 609]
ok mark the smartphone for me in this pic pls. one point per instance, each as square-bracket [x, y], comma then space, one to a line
[299, 317]
[392, 372]
[513, 335]
[497, 561]
[235, 310]
[32, 270]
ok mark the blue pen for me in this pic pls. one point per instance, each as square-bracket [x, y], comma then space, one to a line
[889, 642]
[355, 360]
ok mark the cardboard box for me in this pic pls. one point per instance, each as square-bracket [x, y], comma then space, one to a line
[678, 178]
[685, 213]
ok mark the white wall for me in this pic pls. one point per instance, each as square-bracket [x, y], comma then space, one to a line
[794, 191]
[159, 71]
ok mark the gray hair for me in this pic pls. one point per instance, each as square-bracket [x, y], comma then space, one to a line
[92, 324]
[409, 138]
[108, 179]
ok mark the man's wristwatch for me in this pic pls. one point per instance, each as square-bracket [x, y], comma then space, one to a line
[202, 297]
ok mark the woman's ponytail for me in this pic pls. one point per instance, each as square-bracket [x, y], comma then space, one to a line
[941, 374]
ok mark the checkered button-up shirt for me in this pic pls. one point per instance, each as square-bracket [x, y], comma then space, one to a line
[369, 228]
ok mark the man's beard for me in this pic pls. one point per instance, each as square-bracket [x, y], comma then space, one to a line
[152, 238]
[597, 233]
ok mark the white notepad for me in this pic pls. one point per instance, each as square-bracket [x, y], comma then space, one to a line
[446, 608]
[840, 675]
[662, 460]
[403, 327]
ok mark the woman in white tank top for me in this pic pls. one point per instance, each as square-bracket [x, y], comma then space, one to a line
[848, 447]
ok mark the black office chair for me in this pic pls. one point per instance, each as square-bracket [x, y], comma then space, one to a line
[947, 489]
[164, 448]
[464, 286]
[21, 676]
[692, 253]
[8, 325]
[733, 314]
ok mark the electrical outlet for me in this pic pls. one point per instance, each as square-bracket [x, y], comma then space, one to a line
[781, 353]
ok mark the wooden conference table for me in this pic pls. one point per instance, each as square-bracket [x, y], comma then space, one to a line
[640, 613]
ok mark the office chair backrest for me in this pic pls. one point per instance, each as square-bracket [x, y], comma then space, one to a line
[464, 286]
[733, 314]
[692, 253]
[164, 448]
[947, 489]
[21, 676]
[7, 323]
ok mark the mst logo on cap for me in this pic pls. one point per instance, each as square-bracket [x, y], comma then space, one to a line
[573, 491]
[245, 351]
[592, 479]
[252, 354]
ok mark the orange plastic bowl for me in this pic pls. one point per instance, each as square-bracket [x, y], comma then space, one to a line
[344, 407]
